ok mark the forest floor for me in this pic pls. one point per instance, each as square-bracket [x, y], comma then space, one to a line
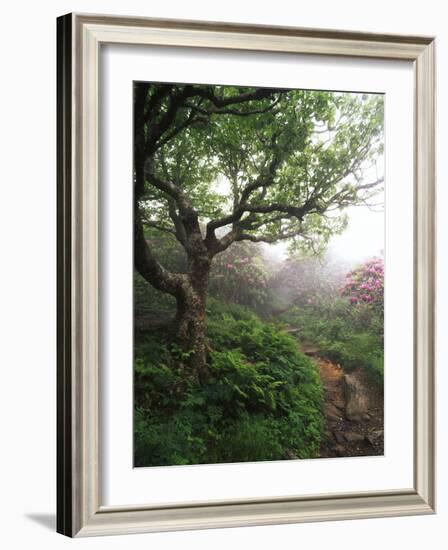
[344, 436]
[363, 436]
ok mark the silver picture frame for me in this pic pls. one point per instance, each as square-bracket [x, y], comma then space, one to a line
[79, 511]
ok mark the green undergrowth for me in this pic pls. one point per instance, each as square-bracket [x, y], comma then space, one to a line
[261, 399]
[345, 335]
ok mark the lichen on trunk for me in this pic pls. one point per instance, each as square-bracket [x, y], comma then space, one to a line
[190, 328]
[191, 304]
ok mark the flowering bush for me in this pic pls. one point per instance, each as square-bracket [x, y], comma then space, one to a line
[239, 275]
[348, 327]
[365, 284]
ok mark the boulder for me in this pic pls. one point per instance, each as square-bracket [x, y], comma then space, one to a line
[339, 437]
[353, 437]
[332, 412]
[375, 438]
[356, 397]
[339, 450]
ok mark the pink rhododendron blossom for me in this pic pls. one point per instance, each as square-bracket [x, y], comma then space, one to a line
[365, 284]
[239, 275]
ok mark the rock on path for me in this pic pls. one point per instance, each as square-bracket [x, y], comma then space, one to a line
[352, 409]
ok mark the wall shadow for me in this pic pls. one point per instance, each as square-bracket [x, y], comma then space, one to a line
[46, 520]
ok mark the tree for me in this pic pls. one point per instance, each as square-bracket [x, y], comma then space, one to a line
[214, 165]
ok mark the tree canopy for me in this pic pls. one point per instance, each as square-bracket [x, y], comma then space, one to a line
[253, 164]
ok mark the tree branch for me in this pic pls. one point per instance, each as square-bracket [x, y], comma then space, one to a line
[267, 238]
[260, 93]
[263, 181]
[180, 229]
[191, 119]
[151, 223]
[148, 266]
[167, 187]
[236, 112]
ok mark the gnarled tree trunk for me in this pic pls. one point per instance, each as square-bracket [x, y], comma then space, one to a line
[191, 300]
[190, 327]
[190, 290]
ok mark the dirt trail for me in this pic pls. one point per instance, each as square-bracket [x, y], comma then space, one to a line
[361, 435]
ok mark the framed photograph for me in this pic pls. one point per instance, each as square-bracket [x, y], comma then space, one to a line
[245, 275]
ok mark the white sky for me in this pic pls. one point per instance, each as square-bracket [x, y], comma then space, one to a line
[362, 239]
[364, 236]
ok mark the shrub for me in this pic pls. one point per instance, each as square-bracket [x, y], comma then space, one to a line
[262, 399]
[344, 333]
[239, 275]
[365, 284]
[359, 350]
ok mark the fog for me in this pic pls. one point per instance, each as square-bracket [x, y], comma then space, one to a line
[362, 239]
